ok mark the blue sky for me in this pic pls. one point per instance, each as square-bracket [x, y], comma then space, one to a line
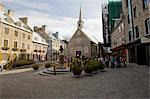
[60, 15]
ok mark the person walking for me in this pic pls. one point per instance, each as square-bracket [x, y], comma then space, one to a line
[113, 62]
[107, 62]
[124, 61]
[118, 62]
[1, 66]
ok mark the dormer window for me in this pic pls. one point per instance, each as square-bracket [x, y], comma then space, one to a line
[36, 38]
[18, 24]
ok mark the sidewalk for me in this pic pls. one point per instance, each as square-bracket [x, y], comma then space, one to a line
[15, 71]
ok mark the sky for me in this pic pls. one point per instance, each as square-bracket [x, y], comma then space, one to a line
[60, 15]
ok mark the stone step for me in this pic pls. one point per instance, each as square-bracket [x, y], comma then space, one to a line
[59, 70]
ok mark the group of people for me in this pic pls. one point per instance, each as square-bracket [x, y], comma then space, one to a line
[115, 61]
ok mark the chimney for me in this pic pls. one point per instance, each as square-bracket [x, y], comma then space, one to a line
[56, 34]
[2, 8]
[10, 13]
[40, 29]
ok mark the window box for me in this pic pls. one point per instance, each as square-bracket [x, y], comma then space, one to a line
[35, 50]
[22, 50]
[15, 49]
[5, 48]
[39, 50]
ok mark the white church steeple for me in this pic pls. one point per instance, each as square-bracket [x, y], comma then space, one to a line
[80, 22]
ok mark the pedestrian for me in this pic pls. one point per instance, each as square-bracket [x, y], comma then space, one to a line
[124, 61]
[102, 59]
[107, 62]
[1, 66]
[113, 61]
[118, 61]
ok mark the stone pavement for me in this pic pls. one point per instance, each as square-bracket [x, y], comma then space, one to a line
[131, 82]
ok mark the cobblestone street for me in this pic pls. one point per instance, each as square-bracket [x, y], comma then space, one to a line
[131, 82]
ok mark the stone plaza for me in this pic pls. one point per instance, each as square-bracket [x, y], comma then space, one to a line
[131, 82]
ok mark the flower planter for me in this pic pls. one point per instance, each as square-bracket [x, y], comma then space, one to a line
[15, 49]
[77, 70]
[5, 48]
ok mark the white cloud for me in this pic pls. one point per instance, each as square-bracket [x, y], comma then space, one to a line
[41, 13]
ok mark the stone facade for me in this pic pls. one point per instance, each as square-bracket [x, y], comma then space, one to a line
[81, 43]
[40, 47]
[137, 22]
[15, 37]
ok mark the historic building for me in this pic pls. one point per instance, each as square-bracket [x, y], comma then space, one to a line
[137, 30]
[54, 42]
[15, 36]
[40, 47]
[81, 43]
[118, 38]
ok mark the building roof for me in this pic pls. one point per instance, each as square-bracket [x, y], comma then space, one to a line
[90, 36]
[38, 39]
[14, 22]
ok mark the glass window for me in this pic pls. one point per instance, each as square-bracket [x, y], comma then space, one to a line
[5, 43]
[126, 3]
[145, 4]
[28, 46]
[137, 31]
[147, 26]
[15, 44]
[23, 36]
[6, 31]
[129, 35]
[135, 13]
[29, 37]
[128, 19]
[16, 33]
[23, 46]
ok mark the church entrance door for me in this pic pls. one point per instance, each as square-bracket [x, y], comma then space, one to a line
[78, 53]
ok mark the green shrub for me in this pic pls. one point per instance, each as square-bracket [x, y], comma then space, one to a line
[19, 63]
[47, 65]
[77, 70]
[95, 65]
[35, 66]
[88, 68]
[76, 67]
[101, 66]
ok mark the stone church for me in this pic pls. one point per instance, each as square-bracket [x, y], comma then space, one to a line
[81, 43]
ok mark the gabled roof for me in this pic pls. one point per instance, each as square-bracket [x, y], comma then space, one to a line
[14, 19]
[38, 39]
[89, 36]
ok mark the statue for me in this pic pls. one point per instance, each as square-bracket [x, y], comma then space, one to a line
[61, 58]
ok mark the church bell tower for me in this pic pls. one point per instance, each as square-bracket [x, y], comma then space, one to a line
[80, 22]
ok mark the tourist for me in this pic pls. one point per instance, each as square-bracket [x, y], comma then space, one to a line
[124, 61]
[102, 59]
[1, 66]
[107, 62]
[118, 61]
[113, 61]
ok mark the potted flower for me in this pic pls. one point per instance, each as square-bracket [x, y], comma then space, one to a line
[76, 68]
[14, 49]
[5, 48]
[95, 67]
[87, 67]
[47, 65]
[35, 67]
[101, 66]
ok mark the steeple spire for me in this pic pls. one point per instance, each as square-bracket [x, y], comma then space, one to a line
[80, 15]
[80, 22]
